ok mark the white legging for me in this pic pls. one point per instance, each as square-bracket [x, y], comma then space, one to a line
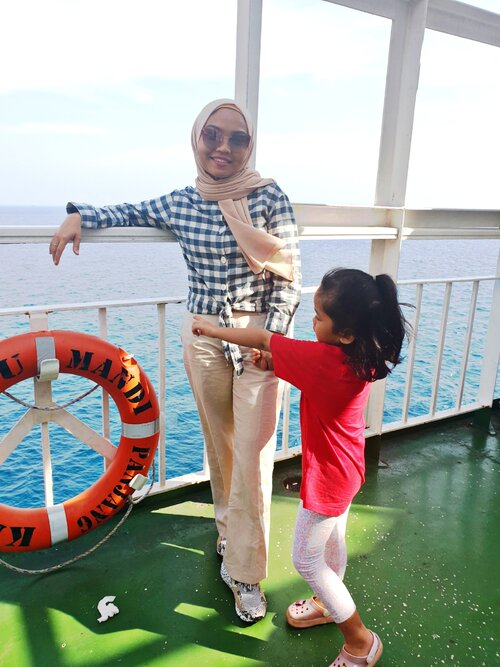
[320, 556]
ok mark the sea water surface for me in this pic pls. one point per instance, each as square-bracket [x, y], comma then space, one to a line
[128, 271]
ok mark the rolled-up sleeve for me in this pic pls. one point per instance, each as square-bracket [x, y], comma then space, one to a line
[150, 213]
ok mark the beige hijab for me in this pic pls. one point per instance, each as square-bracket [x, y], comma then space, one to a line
[262, 251]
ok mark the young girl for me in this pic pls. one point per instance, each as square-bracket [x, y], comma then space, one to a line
[359, 329]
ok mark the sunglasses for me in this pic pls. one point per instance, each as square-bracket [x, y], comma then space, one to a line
[213, 137]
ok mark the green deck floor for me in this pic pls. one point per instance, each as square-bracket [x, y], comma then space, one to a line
[424, 556]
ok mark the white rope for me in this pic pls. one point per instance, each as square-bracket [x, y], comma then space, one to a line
[59, 566]
[52, 407]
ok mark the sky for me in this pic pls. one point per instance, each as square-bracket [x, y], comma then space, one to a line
[98, 99]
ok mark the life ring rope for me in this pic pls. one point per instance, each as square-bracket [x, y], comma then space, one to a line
[50, 408]
[131, 502]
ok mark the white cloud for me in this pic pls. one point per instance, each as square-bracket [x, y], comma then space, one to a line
[52, 128]
[82, 47]
[178, 154]
[61, 43]
[67, 44]
[454, 61]
[73, 43]
[326, 166]
[323, 40]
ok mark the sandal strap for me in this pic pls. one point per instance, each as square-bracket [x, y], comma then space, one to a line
[374, 648]
[366, 659]
[314, 602]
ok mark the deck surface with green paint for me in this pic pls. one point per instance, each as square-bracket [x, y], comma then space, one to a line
[424, 550]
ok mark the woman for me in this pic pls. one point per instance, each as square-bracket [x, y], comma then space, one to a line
[239, 239]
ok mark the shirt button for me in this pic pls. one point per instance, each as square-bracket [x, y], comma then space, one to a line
[223, 259]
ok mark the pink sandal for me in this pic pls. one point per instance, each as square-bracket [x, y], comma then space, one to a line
[345, 659]
[306, 613]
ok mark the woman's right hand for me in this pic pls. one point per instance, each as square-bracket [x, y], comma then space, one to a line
[69, 231]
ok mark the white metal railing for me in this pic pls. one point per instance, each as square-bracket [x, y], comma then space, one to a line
[489, 360]
[386, 227]
[317, 221]
[39, 317]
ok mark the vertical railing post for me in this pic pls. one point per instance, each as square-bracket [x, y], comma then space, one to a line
[247, 74]
[440, 347]
[106, 430]
[412, 346]
[285, 436]
[384, 258]
[403, 70]
[162, 390]
[491, 355]
[42, 392]
[467, 343]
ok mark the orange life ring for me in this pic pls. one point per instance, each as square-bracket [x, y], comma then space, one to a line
[122, 377]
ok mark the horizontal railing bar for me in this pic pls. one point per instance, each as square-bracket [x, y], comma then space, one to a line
[438, 234]
[313, 215]
[428, 418]
[174, 483]
[419, 281]
[459, 19]
[431, 281]
[314, 221]
[43, 235]
[454, 218]
[154, 301]
[321, 233]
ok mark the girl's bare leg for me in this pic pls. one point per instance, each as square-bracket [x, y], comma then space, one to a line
[358, 639]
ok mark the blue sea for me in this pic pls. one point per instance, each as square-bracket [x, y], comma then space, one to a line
[105, 272]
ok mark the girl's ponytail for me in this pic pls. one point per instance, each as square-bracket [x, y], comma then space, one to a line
[368, 308]
[390, 327]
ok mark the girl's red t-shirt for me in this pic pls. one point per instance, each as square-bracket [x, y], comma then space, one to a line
[332, 421]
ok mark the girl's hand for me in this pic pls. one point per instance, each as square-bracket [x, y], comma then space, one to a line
[263, 360]
[202, 327]
[69, 231]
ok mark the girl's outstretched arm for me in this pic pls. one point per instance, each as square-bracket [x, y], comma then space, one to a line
[250, 337]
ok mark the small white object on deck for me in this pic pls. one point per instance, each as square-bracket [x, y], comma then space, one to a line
[106, 608]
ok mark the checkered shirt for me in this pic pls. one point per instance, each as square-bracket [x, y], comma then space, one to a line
[219, 278]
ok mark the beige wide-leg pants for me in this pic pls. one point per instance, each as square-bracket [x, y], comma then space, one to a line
[239, 416]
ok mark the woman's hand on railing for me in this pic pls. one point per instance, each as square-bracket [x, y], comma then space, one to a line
[69, 232]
